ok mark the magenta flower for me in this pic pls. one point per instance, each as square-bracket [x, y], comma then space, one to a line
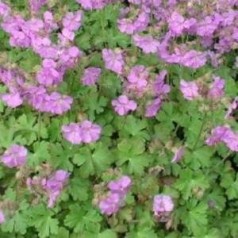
[4, 10]
[15, 156]
[122, 105]
[110, 205]
[153, 108]
[35, 5]
[131, 26]
[93, 4]
[137, 79]
[49, 74]
[177, 24]
[190, 90]
[147, 43]
[90, 132]
[56, 103]
[12, 100]
[2, 217]
[66, 36]
[217, 88]
[54, 185]
[142, 21]
[49, 23]
[72, 20]
[113, 60]
[84, 132]
[120, 186]
[115, 199]
[217, 135]
[178, 155]
[138, 75]
[159, 86]
[91, 75]
[162, 204]
[72, 133]
[223, 134]
[126, 26]
[192, 59]
[69, 56]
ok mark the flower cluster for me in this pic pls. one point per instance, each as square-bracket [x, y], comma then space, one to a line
[193, 90]
[36, 96]
[57, 58]
[213, 27]
[137, 83]
[84, 132]
[115, 199]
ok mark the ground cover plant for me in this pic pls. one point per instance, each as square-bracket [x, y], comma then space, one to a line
[118, 118]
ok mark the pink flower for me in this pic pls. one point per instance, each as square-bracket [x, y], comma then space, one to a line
[15, 156]
[177, 24]
[113, 60]
[178, 155]
[91, 75]
[193, 59]
[4, 10]
[115, 199]
[72, 20]
[72, 133]
[217, 88]
[54, 185]
[120, 186]
[162, 204]
[67, 35]
[49, 74]
[12, 99]
[122, 105]
[2, 217]
[146, 43]
[56, 103]
[84, 132]
[189, 90]
[93, 4]
[153, 108]
[35, 5]
[90, 132]
[159, 86]
[110, 205]
[137, 79]
[223, 134]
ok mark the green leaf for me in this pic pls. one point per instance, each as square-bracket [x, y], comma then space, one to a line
[196, 219]
[107, 234]
[43, 222]
[18, 223]
[79, 220]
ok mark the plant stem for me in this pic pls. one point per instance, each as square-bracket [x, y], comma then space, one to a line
[200, 131]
